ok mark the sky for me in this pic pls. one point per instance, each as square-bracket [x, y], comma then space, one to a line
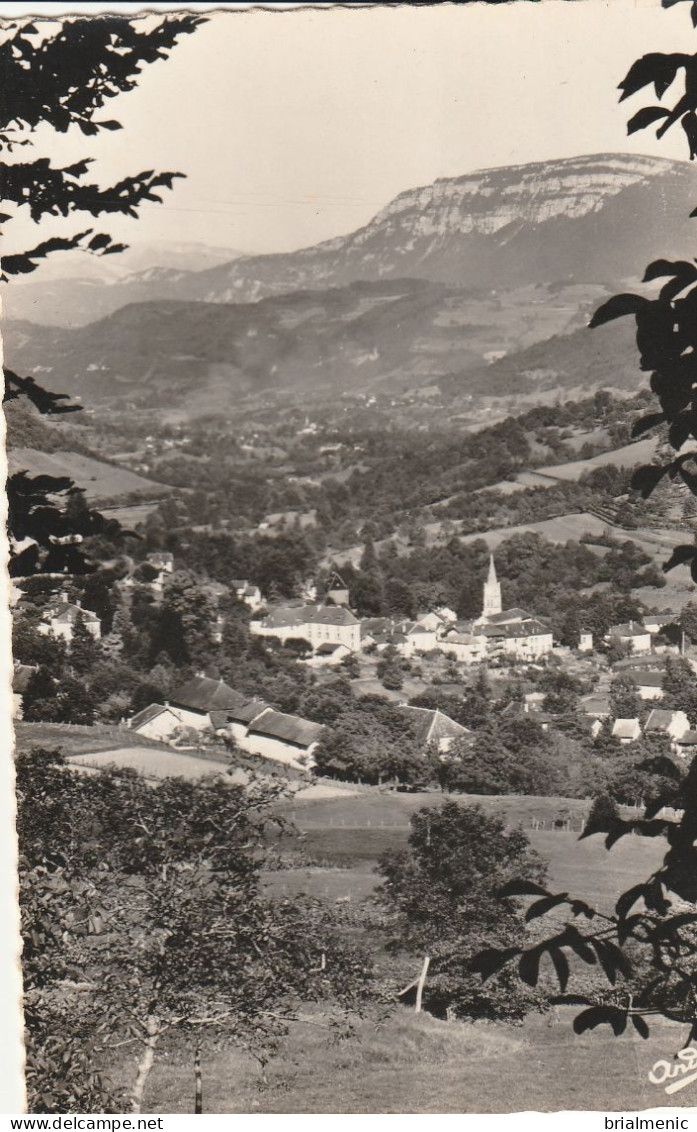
[297, 126]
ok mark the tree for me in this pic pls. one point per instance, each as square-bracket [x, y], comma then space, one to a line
[389, 669]
[507, 756]
[60, 79]
[144, 914]
[647, 949]
[184, 623]
[603, 813]
[439, 896]
[680, 687]
[624, 699]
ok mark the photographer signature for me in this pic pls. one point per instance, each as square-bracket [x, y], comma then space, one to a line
[680, 1072]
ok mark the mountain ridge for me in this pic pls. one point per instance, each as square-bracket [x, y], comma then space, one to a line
[594, 218]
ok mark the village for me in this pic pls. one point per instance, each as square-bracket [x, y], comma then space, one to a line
[436, 651]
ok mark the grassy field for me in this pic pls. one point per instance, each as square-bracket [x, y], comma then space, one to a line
[412, 1064]
[153, 763]
[343, 837]
[99, 480]
[76, 740]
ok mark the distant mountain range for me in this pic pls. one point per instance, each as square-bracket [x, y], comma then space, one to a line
[445, 281]
[72, 289]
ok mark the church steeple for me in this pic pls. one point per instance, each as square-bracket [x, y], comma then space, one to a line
[492, 592]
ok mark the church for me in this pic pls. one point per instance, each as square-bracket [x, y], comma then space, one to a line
[497, 632]
[509, 632]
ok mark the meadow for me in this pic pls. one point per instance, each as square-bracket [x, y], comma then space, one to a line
[394, 1061]
[416, 1064]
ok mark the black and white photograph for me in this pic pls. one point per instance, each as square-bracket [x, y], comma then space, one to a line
[350, 397]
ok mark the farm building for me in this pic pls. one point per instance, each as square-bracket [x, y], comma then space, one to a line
[329, 654]
[672, 724]
[157, 721]
[285, 738]
[195, 700]
[648, 683]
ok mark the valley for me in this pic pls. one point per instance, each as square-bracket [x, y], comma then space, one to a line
[386, 587]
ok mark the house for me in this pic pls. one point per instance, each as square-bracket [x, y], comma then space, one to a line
[446, 614]
[516, 708]
[656, 622]
[20, 678]
[157, 721]
[632, 635]
[249, 594]
[673, 724]
[432, 621]
[467, 648]
[235, 721]
[585, 642]
[434, 727]
[163, 562]
[61, 616]
[328, 654]
[648, 683]
[686, 744]
[420, 640]
[626, 730]
[285, 738]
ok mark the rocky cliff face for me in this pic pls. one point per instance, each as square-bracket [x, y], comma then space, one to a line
[596, 219]
[492, 199]
[589, 219]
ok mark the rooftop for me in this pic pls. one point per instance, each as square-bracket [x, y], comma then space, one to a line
[660, 719]
[203, 694]
[432, 725]
[287, 728]
[146, 715]
[626, 729]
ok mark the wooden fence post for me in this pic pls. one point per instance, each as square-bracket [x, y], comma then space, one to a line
[420, 985]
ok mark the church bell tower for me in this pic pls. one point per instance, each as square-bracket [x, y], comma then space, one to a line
[492, 593]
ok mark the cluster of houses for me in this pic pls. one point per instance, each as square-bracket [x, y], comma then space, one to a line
[328, 631]
[334, 631]
[646, 673]
[208, 705]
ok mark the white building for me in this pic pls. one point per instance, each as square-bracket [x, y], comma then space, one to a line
[157, 721]
[318, 624]
[284, 738]
[249, 594]
[328, 655]
[673, 724]
[525, 640]
[626, 730]
[585, 642]
[467, 648]
[632, 635]
[434, 728]
[648, 684]
[61, 616]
